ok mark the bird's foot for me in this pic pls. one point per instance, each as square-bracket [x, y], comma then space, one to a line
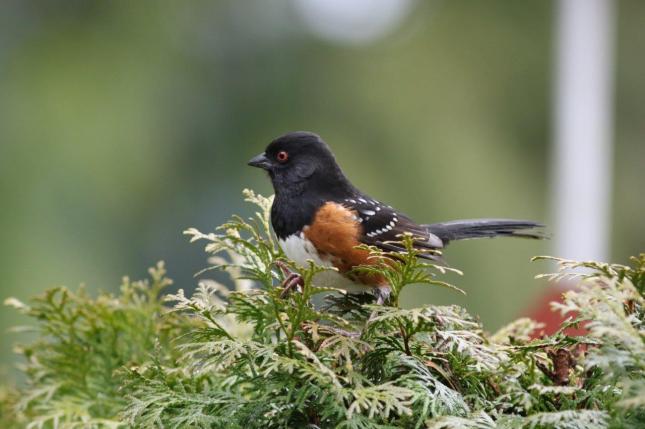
[292, 279]
[382, 294]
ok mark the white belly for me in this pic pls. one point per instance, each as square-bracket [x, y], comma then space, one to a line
[300, 250]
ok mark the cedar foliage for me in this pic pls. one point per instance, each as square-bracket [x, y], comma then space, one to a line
[247, 357]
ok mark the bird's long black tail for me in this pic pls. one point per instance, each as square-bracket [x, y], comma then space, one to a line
[482, 228]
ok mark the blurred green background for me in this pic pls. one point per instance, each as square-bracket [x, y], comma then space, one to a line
[123, 123]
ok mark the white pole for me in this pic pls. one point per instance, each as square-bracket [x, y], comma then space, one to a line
[582, 152]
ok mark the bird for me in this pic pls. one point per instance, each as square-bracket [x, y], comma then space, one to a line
[318, 215]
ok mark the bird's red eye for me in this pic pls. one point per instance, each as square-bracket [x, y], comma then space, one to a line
[282, 156]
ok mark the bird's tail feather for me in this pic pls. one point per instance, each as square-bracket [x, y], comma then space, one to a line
[482, 228]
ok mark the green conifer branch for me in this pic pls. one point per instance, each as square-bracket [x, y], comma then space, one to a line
[248, 356]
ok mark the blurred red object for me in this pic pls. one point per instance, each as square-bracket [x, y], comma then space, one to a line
[541, 311]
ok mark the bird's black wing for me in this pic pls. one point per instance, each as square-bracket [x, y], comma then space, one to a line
[382, 226]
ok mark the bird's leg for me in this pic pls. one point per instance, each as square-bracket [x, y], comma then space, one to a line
[292, 279]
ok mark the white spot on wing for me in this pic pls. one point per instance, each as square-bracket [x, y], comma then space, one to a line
[368, 212]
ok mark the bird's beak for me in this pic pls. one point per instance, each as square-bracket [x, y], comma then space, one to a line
[260, 161]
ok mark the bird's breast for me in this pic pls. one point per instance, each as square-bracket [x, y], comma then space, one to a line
[299, 249]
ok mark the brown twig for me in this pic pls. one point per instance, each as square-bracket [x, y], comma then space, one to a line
[563, 361]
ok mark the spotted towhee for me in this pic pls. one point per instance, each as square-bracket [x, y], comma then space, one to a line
[318, 215]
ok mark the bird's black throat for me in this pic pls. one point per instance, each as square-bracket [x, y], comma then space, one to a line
[295, 206]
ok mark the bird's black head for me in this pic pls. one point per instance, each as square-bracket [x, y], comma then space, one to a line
[301, 161]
